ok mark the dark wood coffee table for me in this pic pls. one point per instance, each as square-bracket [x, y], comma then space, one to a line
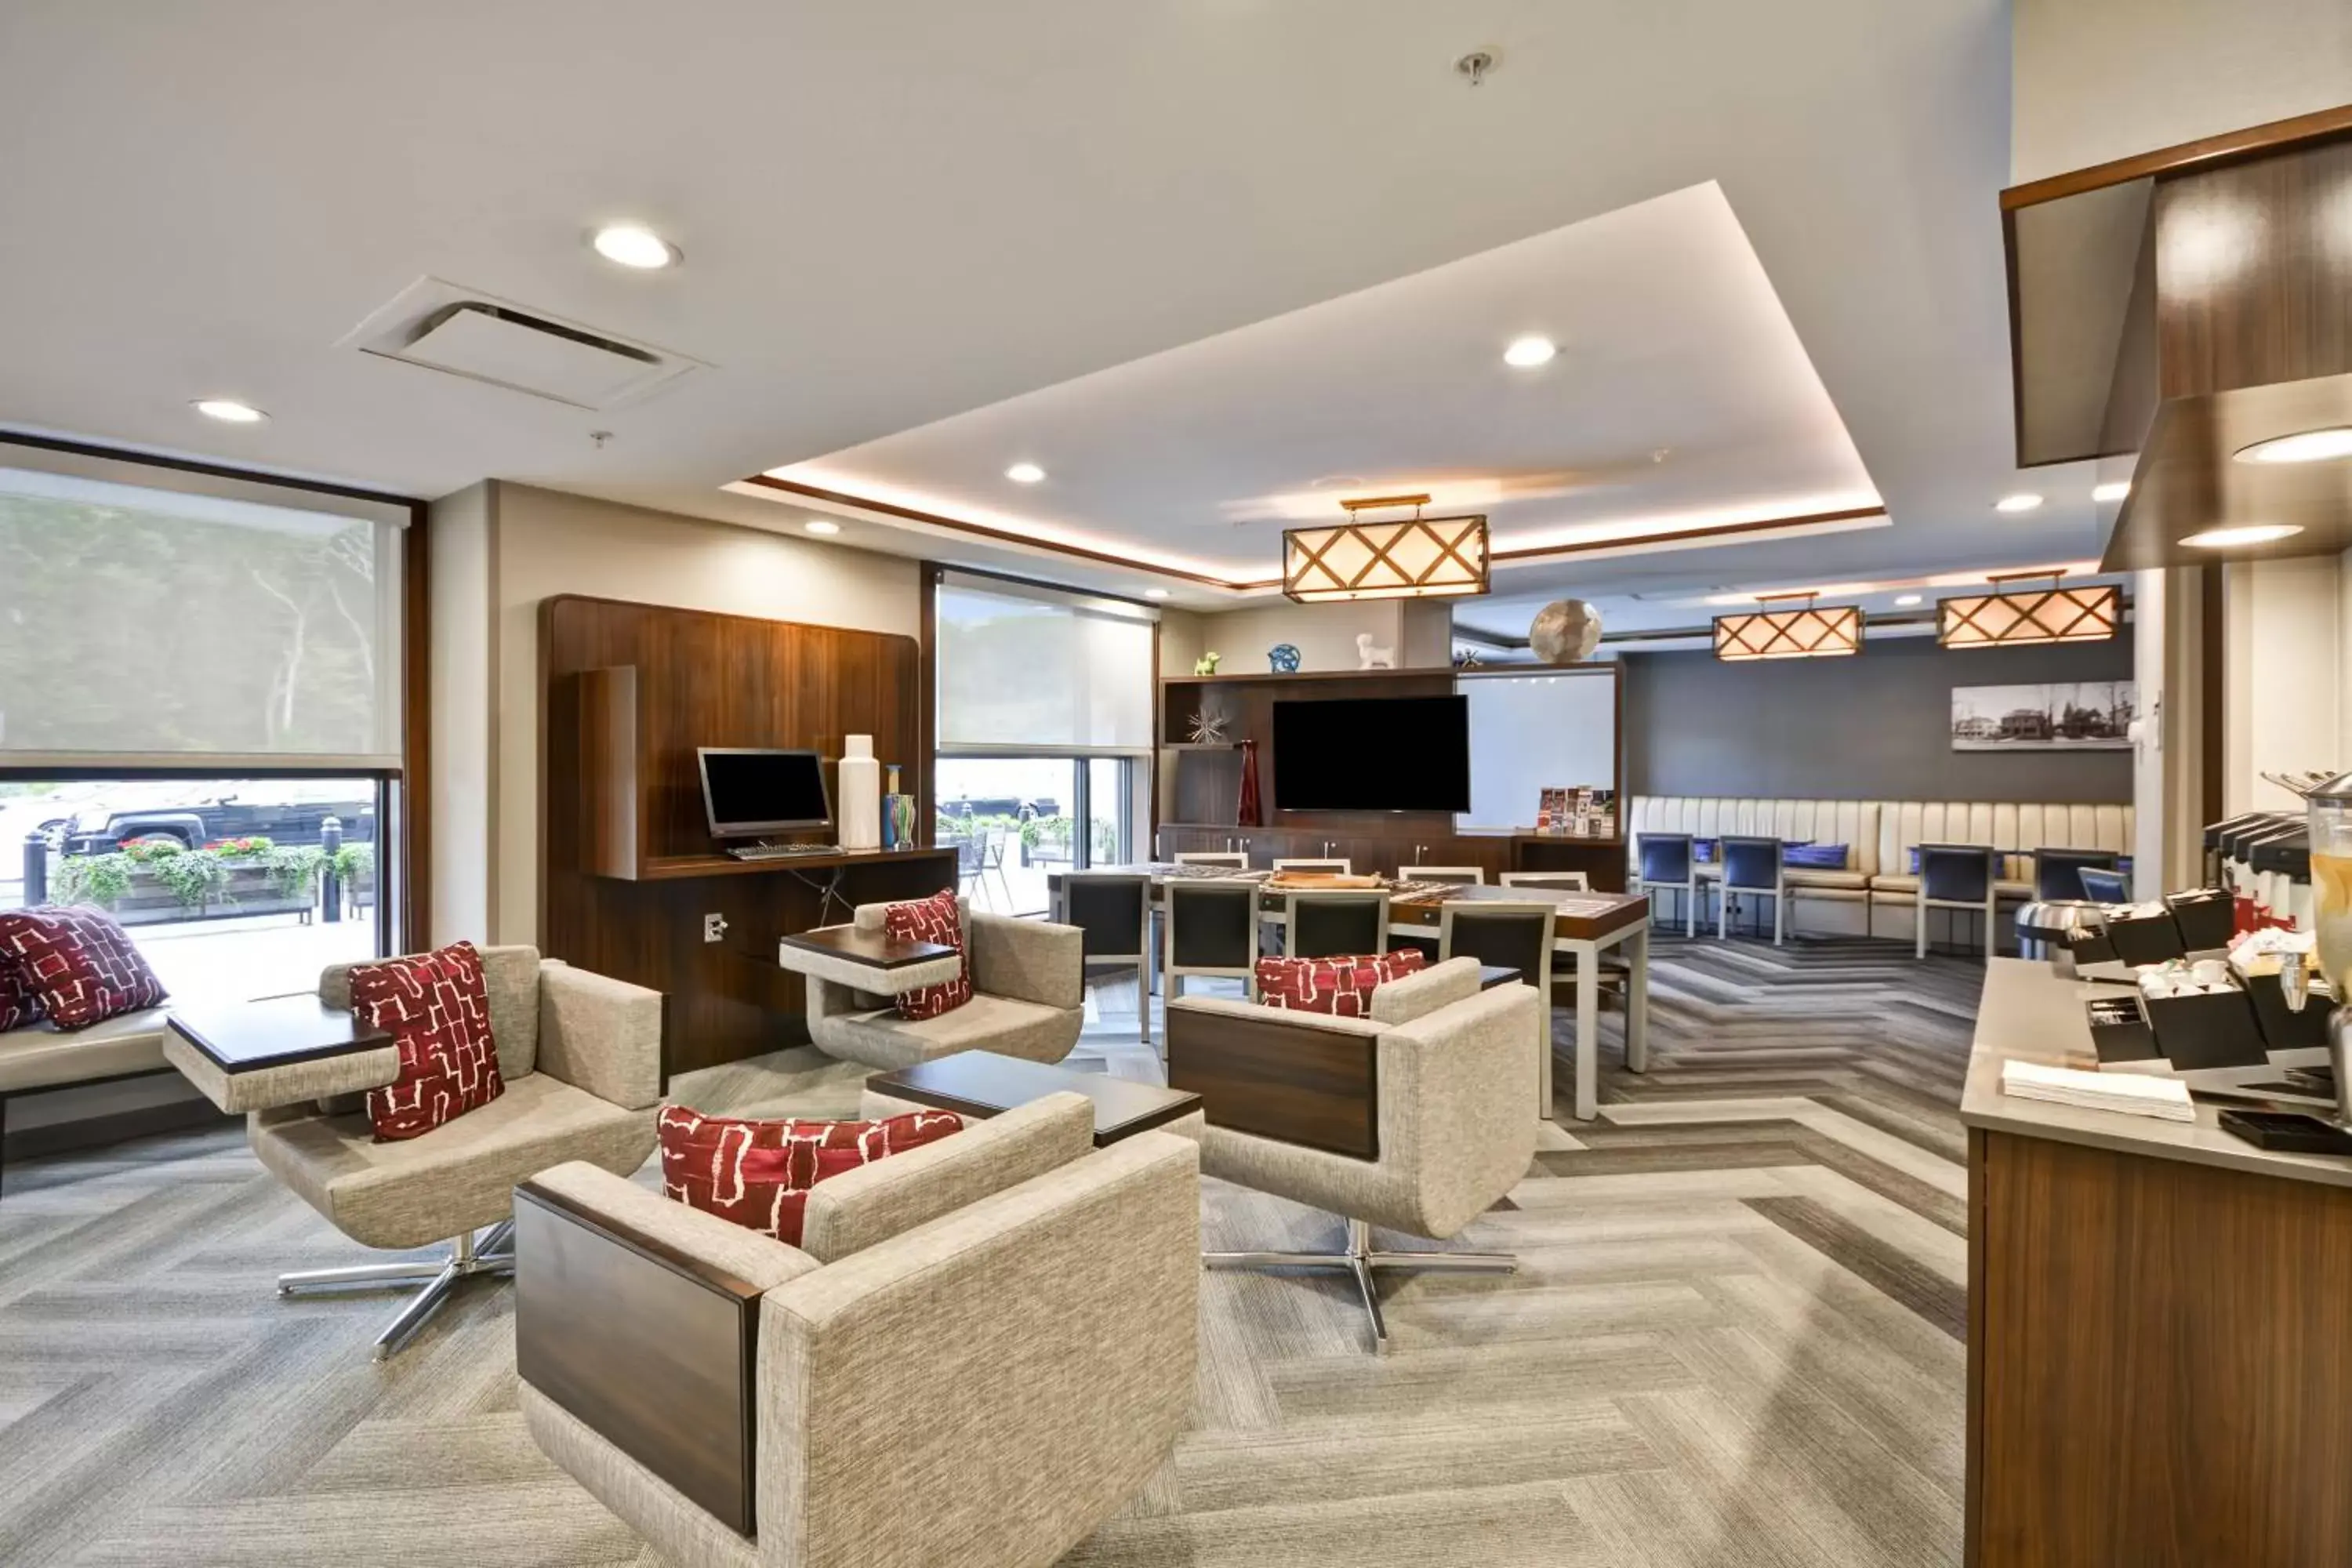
[248, 1037]
[979, 1084]
[873, 949]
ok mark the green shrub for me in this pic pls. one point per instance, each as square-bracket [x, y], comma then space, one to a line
[100, 880]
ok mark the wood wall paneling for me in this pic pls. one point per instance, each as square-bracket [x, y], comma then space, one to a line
[705, 679]
[2254, 273]
[2161, 1371]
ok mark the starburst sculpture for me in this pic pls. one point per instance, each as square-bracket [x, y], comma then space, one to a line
[1208, 729]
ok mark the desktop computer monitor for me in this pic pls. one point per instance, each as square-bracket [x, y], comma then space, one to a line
[748, 791]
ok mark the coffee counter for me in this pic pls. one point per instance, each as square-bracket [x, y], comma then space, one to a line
[2028, 1014]
[2159, 1322]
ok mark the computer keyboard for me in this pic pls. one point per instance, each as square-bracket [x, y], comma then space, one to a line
[781, 851]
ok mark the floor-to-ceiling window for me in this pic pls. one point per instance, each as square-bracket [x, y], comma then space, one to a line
[200, 714]
[1044, 734]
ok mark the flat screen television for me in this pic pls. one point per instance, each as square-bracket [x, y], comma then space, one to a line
[748, 791]
[1372, 754]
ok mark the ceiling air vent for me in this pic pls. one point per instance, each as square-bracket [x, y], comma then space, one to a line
[442, 326]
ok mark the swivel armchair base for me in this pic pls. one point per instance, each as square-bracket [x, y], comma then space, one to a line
[492, 1253]
[1365, 1264]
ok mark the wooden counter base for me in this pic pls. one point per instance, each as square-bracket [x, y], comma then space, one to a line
[2160, 1361]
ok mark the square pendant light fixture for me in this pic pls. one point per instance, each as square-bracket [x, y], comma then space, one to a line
[1806, 632]
[1420, 558]
[2023, 617]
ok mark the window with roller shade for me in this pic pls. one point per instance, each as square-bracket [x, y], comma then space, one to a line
[1025, 670]
[150, 618]
[200, 713]
[1044, 729]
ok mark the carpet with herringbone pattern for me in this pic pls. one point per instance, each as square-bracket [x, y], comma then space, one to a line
[1736, 1338]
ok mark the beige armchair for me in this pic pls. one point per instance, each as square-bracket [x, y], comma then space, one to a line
[986, 1346]
[1028, 999]
[1414, 1119]
[580, 1058]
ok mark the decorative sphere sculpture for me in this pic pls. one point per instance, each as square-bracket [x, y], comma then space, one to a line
[1566, 631]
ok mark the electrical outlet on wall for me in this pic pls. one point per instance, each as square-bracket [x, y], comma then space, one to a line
[714, 927]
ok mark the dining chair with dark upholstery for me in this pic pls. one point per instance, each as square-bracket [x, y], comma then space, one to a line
[1210, 929]
[1668, 861]
[2057, 873]
[1516, 935]
[2104, 887]
[1113, 909]
[1958, 877]
[1758, 868]
[1329, 924]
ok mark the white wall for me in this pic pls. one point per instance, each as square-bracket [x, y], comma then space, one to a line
[540, 543]
[463, 824]
[2099, 80]
[2282, 676]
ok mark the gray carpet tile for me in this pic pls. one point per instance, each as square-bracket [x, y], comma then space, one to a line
[1732, 1342]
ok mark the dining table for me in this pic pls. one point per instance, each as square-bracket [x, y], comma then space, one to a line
[1588, 926]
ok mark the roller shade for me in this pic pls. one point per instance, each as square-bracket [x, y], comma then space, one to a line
[151, 618]
[1029, 671]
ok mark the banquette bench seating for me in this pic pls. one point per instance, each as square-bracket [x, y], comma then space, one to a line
[1878, 886]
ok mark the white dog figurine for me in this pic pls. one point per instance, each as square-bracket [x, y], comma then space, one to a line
[1370, 658]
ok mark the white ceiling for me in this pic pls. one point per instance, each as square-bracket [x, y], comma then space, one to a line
[1681, 396]
[900, 211]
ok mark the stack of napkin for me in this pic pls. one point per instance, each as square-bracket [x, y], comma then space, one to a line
[2134, 1094]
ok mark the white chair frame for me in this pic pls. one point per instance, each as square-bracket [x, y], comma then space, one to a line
[1237, 859]
[1339, 868]
[1469, 876]
[1564, 882]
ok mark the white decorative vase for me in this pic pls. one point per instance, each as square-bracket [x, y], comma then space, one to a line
[859, 811]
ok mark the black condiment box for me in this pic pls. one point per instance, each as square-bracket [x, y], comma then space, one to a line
[2208, 1030]
[2284, 1028]
[2146, 939]
[2119, 1031]
[2092, 945]
[2207, 918]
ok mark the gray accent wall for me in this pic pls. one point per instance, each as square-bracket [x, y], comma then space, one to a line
[1872, 727]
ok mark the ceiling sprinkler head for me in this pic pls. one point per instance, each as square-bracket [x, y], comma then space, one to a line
[1474, 66]
[600, 437]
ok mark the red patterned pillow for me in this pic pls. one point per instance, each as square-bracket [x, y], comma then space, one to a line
[759, 1173]
[934, 919]
[1340, 986]
[19, 1004]
[437, 1012]
[78, 964]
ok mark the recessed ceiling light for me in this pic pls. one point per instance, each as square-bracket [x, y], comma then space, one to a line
[2246, 533]
[1155, 593]
[229, 410]
[1906, 600]
[2114, 490]
[633, 245]
[1529, 352]
[2024, 501]
[1024, 473]
[822, 525]
[2307, 446]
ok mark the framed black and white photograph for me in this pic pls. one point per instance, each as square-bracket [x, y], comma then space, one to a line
[2075, 716]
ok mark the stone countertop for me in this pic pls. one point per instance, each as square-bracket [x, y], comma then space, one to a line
[2028, 1014]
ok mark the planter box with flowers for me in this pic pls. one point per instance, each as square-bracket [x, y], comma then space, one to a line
[157, 882]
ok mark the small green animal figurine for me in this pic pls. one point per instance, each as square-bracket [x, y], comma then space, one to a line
[1206, 664]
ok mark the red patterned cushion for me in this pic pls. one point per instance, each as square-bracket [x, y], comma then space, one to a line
[78, 964]
[435, 1009]
[1340, 986]
[759, 1173]
[932, 919]
[19, 1004]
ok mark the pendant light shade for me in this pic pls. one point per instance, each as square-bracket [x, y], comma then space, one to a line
[2021, 618]
[1421, 557]
[1804, 633]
